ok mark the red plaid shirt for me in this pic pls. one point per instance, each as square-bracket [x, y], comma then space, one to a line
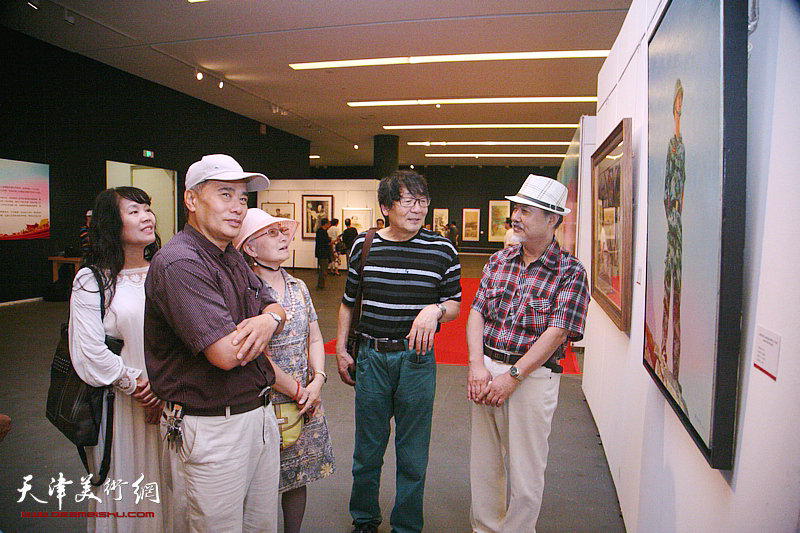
[519, 303]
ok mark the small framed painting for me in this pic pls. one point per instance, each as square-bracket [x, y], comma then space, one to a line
[360, 217]
[499, 211]
[440, 221]
[471, 224]
[279, 210]
[315, 208]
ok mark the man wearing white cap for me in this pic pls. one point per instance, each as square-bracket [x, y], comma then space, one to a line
[532, 299]
[207, 324]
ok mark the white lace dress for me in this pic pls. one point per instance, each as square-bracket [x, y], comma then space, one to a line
[136, 446]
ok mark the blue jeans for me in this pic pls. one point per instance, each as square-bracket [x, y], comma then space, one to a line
[399, 384]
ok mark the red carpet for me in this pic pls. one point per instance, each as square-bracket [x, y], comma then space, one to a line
[451, 341]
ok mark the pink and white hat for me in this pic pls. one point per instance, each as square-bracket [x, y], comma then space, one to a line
[257, 220]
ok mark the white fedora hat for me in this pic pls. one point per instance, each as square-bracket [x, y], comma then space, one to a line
[256, 220]
[544, 193]
[224, 168]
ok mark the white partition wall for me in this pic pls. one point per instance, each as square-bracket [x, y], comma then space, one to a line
[663, 481]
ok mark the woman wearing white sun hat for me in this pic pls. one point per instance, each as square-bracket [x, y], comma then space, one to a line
[264, 241]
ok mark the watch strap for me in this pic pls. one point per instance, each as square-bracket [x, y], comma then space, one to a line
[276, 316]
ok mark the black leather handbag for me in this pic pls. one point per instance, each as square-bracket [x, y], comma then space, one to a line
[75, 408]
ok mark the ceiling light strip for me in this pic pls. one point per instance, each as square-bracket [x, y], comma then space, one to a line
[499, 100]
[478, 126]
[451, 58]
[519, 156]
[489, 143]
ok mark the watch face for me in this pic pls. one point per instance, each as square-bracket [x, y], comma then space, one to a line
[514, 372]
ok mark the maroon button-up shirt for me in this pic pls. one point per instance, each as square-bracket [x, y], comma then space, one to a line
[519, 303]
[196, 294]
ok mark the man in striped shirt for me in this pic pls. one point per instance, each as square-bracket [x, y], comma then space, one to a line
[411, 284]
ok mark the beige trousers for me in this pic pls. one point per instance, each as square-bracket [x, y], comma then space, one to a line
[519, 430]
[225, 476]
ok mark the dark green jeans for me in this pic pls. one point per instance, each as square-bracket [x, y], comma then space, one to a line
[399, 384]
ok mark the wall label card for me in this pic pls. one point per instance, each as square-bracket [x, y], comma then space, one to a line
[767, 352]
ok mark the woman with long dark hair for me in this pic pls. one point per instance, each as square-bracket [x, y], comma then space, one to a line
[123, 240]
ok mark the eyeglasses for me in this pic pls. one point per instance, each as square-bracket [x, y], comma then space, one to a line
[407, 201]
[274, 232]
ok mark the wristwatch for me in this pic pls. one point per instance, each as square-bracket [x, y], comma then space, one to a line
[514, 371]
[276, 316]
[443, 309]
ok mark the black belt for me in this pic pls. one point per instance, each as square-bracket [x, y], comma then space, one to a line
[384, 345]
[511, 359]
[261, 401]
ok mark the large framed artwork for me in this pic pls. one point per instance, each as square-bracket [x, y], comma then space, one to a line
[612, 225]
[440, 221]
[285, 210]
[315, 208]
[360, 217]
[697, 102]
[499, 211]
[24, 200]
[470, 224]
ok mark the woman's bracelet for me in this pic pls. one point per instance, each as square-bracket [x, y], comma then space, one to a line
[324, 375]
[297, 392]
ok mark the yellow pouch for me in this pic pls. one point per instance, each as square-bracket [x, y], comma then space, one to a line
[290, 423]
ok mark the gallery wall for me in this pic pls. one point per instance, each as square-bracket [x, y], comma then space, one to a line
[353, 193]
[74, 114]
[663, 481]
[456, 188]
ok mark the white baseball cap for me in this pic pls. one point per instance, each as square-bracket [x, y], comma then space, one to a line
[544, 193]
[224, 168]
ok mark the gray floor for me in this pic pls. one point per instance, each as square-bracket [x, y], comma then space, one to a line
[579, 494]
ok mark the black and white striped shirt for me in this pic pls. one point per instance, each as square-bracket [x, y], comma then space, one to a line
[400, 278]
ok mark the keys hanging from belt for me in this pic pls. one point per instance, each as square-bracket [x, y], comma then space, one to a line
[174, 433]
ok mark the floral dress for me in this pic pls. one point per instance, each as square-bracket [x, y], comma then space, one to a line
[311, 457]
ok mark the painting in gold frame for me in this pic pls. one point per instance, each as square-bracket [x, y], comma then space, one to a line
[612, 225]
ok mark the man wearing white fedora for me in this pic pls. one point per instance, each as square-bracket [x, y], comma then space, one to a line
[532, 299]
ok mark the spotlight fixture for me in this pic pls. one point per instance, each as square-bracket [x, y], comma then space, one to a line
[221, 84]
[198, 75]
[355, 147]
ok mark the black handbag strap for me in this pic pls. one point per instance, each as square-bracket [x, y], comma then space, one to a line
[105, 464]
[364, 255]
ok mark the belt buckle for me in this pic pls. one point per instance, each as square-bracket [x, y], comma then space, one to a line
[378, 343]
